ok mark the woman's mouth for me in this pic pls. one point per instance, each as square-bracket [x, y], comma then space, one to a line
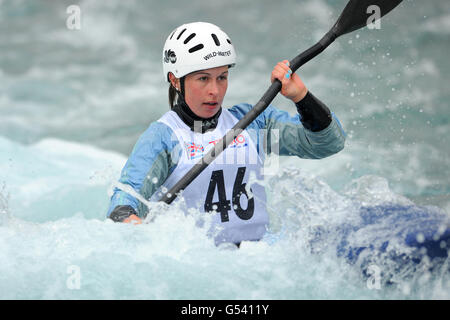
[211, 104]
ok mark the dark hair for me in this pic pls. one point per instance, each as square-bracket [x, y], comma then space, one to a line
[173, 95]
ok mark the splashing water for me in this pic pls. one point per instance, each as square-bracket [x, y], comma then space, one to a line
[174, 257]
[101, 86]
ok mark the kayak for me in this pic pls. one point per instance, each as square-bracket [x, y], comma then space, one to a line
[425, 231]
[398, 241]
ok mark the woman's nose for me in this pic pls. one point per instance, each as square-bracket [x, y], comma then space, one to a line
[213, 88]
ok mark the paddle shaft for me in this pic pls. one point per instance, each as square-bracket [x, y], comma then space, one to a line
[262, 104]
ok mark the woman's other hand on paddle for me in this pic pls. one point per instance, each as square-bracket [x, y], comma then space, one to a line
[133, 219]
[293, 87]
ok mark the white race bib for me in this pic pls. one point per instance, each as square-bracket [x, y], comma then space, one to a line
[222, 188]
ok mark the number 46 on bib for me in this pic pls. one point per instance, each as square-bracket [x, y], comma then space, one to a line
[223, 206]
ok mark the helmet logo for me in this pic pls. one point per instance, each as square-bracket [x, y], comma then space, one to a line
[169, 55]
[217, 53]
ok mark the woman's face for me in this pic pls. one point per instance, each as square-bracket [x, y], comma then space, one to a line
[205, 90]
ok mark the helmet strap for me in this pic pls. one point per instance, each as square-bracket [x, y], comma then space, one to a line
[182, 86]
[196, 123]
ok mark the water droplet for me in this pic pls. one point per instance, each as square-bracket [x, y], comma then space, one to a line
[420, 238]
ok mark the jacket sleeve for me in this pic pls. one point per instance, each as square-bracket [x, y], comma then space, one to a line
[286, 135]
[152, 160]
[298, 138]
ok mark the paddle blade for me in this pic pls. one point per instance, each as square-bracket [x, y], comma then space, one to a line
[359, 13]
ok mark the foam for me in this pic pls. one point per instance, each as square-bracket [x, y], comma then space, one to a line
[439, 25]
[172, 257]
[54, 193]
[41, 178]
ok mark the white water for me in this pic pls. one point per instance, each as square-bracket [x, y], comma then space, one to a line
[72, 104]
[47, 231]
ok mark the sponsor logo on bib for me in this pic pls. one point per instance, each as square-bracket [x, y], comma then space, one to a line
[197, 150]
[194, 150]
[238, 142]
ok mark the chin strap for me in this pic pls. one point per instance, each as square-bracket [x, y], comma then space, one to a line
[182, 87]
[194, 122]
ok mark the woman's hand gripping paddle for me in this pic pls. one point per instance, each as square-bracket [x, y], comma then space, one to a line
[356, 14]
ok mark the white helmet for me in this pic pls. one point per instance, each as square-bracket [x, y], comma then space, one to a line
[196, 46]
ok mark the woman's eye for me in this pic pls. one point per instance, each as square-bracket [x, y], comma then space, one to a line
[223, 78]
[203, 78]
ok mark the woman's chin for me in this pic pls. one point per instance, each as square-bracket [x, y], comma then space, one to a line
[209, 112]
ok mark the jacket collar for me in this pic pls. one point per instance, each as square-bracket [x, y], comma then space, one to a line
[192, 120]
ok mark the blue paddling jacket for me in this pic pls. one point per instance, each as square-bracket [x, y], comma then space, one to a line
[313, 133]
